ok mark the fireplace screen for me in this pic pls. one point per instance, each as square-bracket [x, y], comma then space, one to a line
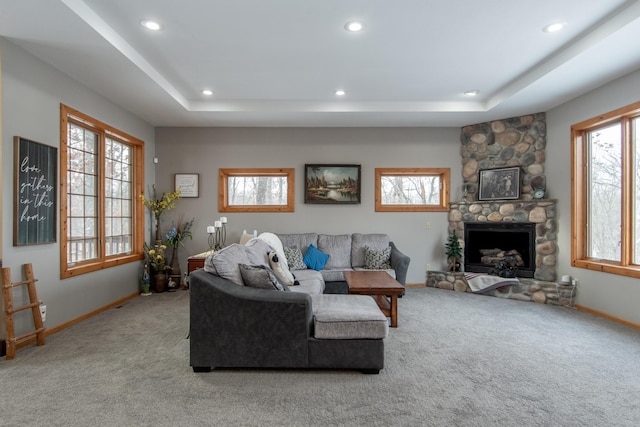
[504, 249]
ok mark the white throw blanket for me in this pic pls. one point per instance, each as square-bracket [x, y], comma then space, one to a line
[483, 282]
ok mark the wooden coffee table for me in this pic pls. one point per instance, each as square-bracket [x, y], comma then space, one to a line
[381, 286]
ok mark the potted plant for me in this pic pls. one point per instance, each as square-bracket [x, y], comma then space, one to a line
[158, 206]
[156, 259]
[453, 250]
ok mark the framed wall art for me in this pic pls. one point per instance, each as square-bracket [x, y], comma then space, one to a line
[498, 184]
[332, 184]
[188, 184]
[34, 195]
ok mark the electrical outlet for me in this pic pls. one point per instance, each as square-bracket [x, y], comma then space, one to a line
[43, 312]
[428, 266]
[428, 225]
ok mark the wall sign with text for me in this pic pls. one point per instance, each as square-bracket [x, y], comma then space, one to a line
[34, 195]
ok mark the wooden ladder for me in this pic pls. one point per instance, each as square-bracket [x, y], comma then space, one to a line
[34, 305]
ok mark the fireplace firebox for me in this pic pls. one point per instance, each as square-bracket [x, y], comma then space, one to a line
[485, 242]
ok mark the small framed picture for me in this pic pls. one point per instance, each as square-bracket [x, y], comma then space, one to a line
[497, 184]
[187, 184]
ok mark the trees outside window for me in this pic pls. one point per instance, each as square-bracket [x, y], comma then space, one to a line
[256, 190]
[412, 189]
[606, 196]
[102, 168]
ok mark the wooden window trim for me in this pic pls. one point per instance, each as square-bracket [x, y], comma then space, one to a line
[68, 114]
[445, 179]
[223, 189]
[579, 188]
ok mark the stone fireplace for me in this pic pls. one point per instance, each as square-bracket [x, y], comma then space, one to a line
[517, 141]
[512, 243]
[537, 214]
[521, 142]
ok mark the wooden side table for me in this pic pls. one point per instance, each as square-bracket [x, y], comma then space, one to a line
[195, 262]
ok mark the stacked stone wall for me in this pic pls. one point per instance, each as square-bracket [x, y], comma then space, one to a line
[518, 141]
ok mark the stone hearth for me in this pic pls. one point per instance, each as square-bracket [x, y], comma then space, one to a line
[539, 291]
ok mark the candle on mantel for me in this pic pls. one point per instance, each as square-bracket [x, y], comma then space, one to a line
[223, 219]
[211, 229]
[217, 224]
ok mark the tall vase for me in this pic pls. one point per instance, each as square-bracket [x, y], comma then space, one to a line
[175, 266]
[160, 281]
[158, 236]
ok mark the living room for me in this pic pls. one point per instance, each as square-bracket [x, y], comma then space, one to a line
[32, 91]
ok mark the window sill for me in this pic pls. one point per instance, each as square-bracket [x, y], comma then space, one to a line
[608, 267]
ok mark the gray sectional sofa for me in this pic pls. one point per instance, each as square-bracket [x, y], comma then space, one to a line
[347, 252]
[233, 325]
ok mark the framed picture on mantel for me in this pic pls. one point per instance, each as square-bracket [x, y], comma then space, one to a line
[499, 184]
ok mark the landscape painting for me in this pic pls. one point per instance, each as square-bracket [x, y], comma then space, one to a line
[332, 184]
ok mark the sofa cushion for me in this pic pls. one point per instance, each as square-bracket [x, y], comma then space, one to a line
[315, 258]
[281, 271]
[294, 258]
[257, 251]
[377, 259]
[359, 241]
[310, 282]
[224, 263]
[260, 276]
[338, 248]
[348, 317]
[301, 240]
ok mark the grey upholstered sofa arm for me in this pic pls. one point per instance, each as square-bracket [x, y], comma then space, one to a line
[239, 326]
[400, 263]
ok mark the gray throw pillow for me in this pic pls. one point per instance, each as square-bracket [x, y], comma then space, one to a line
[260, 276]
[294, 258]
[375, 259]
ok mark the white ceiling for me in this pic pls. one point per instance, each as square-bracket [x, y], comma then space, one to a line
[278, 62]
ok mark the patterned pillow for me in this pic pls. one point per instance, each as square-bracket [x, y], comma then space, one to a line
[376, 259]
[260, 276]
[294, 258]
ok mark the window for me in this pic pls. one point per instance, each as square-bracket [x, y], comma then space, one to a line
[256, 190]
[412, 189]
[102, 225]
[605, 193]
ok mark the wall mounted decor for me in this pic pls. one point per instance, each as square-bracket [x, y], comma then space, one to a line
[34, 196]
[332, 184]
[187, 184]
[499, 184]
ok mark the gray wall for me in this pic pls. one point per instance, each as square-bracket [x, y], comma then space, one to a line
[32, 93]
[610, 293]
[204, 150]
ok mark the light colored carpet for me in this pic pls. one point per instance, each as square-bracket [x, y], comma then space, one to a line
[456, 359]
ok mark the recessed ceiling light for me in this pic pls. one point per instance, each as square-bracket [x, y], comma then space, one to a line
[471, 92]
[340, 92]
[554, 27]
[354, 26]
[207, 92]
[151, 25]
